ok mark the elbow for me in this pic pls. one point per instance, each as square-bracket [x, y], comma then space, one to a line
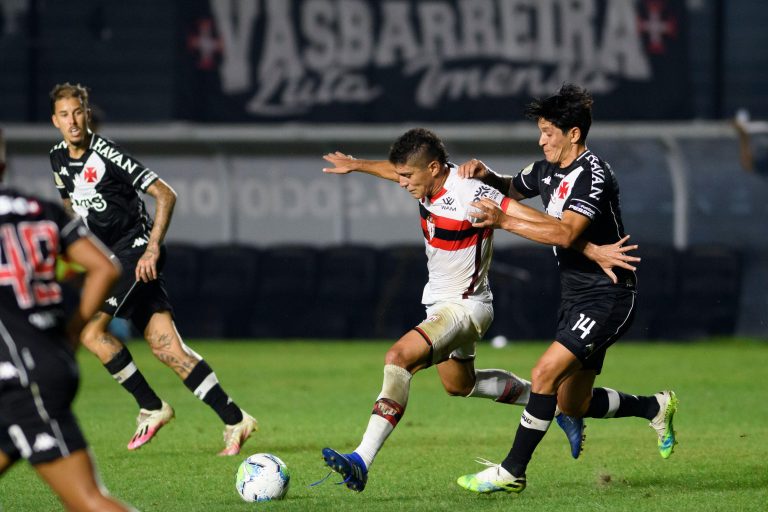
[170, 197]
[566, 239]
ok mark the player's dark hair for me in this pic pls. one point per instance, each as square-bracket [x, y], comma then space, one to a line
[418, 143]
[68, 90]
[570, 107]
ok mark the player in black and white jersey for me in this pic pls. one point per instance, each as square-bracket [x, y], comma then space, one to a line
[581, 197]
[38, 371]
[101, 183]
[457, 296]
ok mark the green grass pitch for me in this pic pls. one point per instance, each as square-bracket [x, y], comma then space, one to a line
[308, 395]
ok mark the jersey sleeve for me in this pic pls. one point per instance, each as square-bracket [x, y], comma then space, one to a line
[125, 167]
[586, 197]
[474, 190]
[55, 167]
[526, 181]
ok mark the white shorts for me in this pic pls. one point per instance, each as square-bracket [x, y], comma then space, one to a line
[453, 329]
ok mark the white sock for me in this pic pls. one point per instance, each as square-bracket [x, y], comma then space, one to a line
[502, 386]
[393, 396]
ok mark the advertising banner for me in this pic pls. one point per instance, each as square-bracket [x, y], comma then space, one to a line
[393, 61]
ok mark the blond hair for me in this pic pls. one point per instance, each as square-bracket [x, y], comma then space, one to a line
[67, 90]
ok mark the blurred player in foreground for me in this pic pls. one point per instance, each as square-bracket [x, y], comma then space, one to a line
[581, 196]
[99, 182]
[457, 296]
[38, 371]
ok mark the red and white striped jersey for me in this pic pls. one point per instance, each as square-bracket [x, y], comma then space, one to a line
[458, 255]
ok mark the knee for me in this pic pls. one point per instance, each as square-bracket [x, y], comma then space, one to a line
[544, 378]
[90, 335]
[396, 357]
[160, 342]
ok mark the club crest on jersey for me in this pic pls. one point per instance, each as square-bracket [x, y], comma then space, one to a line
[430, 227]
[84, 196]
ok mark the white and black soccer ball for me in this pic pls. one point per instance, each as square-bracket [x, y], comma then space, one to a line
[262, 477]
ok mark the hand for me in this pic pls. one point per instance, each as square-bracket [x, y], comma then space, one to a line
[146, 267]
[343, 164]
[485, 214]
[614, 255]
[473, 169]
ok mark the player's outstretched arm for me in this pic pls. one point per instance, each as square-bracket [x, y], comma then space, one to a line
[101, 272]
[344, 164]
[530, 223]
[539, 227]
[165, 199]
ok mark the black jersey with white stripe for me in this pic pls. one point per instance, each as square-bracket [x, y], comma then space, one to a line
[588, 187]
[32, 233]
[104, 186]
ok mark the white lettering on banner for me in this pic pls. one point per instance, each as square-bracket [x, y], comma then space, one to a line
[295, 198]
[236, 64]
[327, 56]
[199, 197]
[288, 198]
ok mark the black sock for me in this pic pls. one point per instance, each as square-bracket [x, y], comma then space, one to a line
[204, 384]
[534, 423]
[125, 372]
[609, 403]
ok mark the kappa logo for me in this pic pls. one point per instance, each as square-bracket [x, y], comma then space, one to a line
[547, 180]
[43, 442]
[63, 171]
[139, 242]
[112, 301]
[8, 371]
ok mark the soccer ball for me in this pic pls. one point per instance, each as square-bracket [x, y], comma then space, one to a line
[262, 477]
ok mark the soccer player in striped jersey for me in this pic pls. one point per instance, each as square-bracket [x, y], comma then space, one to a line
[457, 296]
[101, 183]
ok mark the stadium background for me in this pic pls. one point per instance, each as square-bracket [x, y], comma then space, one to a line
[234, 102]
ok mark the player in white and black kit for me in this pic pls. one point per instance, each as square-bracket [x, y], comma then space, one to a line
[38, 371]
[457, 297]
[581, 197]
[101, 183]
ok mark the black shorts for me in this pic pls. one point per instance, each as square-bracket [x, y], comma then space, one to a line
[40, 379]
[135, 300]
[591, 322]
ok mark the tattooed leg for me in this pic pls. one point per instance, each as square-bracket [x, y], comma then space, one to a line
[167, 346]
[98, 340]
